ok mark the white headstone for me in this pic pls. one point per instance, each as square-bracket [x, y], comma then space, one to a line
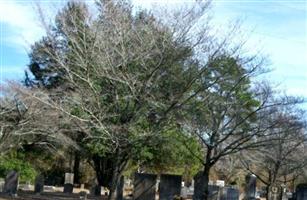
[69, 178]
[182, 184]
[27, 186]
[191, 188]
[192, 184]
[1, 185]
[220, 183]
[184, 192]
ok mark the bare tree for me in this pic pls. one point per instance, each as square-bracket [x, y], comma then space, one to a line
[24, 121]
[280, 160]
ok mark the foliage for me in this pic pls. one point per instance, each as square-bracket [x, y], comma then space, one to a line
[16, 161]
[173, 153]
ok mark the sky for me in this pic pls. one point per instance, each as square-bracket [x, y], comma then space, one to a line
[278, 27]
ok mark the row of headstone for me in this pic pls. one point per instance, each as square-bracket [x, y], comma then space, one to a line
[170, 188]
[145, 186]
[215, 192]
[11, 183]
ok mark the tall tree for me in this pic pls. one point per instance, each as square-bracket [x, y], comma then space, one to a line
[228, 117]
[127, 74]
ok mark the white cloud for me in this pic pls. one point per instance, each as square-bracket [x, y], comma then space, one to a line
[19, 23]
[10, 73]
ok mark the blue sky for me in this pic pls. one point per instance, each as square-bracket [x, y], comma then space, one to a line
[277, 27]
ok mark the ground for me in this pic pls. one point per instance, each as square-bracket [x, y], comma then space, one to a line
[48, 196]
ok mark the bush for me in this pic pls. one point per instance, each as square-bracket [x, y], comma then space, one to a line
[15, 161]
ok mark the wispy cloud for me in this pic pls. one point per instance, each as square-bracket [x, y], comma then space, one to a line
[20, 23]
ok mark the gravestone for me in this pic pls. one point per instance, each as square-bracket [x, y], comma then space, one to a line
[229, 193]
[39, 184]
[170, 186]
[275, 192]
[220, 183]
[214, 191]
[284, 193]
[11, 183]
[69, 178]
[301, 192]
[184, 192]
[191, 188]
[1, 185]
[144, 186]
[250, 188]
[68, 188]
[69, 183]
[120, 189]
[83, 195]
[96, 190]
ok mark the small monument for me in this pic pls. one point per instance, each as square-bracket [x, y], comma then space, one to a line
[1, 185]
[144, 186]
[39, 184]
[220, 183]
[11, 183]
[301, 192]
[229, 193]
[83, 195]
[184, 192]
[69, 183]
[250, 188]
[275, 192]
[170, 186]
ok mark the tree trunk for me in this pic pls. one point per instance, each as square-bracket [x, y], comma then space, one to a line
[201, 191]
[108, 171]
[115, 177]
[206, 181]
[120, 164]
[104, 167]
